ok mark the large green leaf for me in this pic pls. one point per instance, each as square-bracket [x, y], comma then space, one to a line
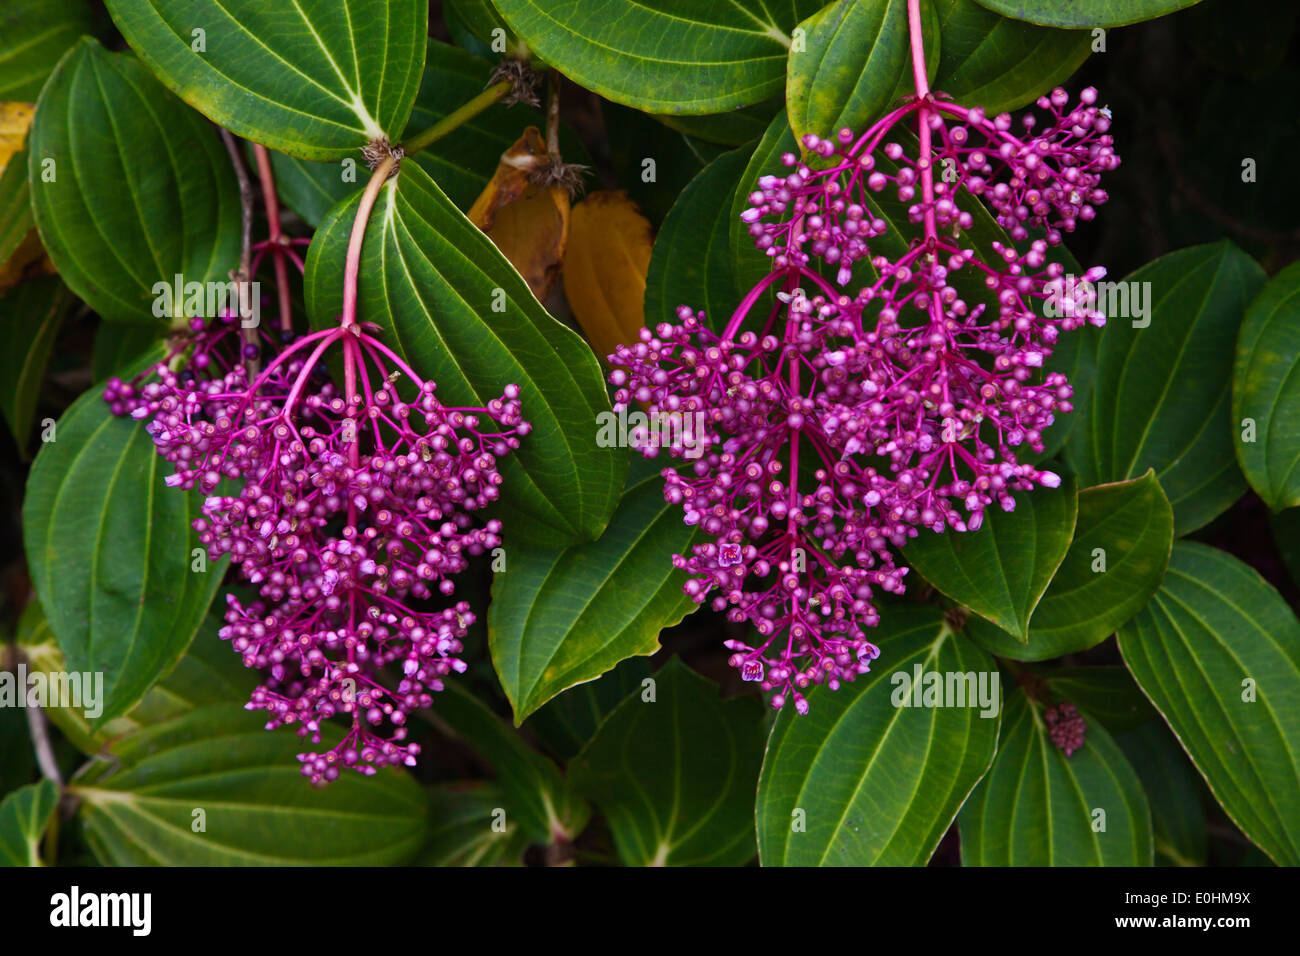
[691, 261]
[1001, 571]
[1085, 13]
[314, 80]
[561, 616]
[1038, 807]
[854, 53]
[142, 808]
[537, 796]
[1000, 64]
[1218, 652]
[869, 778]
[665, 56]
[674, 776]
[24, 815]
[1266, 391]
[110, 551]
[30, 316]
[733, 128]
[1161, 398]
[471, 828]
[33, 35]
[430, 280]
[130, 187]
[1113, 566]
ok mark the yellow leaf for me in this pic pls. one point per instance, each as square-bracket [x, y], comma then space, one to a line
[15, 118]
[528, 223]
[605, 267]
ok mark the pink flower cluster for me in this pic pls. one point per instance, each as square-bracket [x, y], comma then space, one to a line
[352, 514]
[881, 394]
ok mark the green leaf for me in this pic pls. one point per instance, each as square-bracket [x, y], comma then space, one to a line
[538, 797]
[565, 723]
[24, 815]
[854, 54]
[562, 616]
[1174, 790]
[1001, 571]
[675, 776]
[313, 80]
[210, 672]
[1266, 391]
[33, 35]
[867, 778]
[1218, 652]
[140, 809]
[1161, 398]
[16, 219]
[691, 261]
[1132, 525]
[110, 551]
[664, 56]
[130, 188]
[30, 316]
[430, 280]
[734, 128]
[1038, 807]
[1000, 64]
[1085, 13]
[461, 164]
[121, 350]
[468, 828]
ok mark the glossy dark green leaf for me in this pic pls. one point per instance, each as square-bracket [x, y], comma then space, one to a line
[664, 56]
[430, 280]
[674, 776]
[1218, 652]
[1000, 64]
[562, 616]
[1161, 398]
[110, 550]
[1285, 526]
[845, 72]
[691, 262]
[16, 219]
[1125, 528]
[30, 316]
[538, 798]
[317, 80]
[1001, 571]
[1173, 790]
[257, 808]
[24, 815]
[33, 35]
[469, 826]
[1085, 13]
[1266, 391]
[873, 775]
[129, 186]
[1038, 807]
[209, 672]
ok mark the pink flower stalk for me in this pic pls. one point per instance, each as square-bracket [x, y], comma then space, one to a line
[353, 514]
[854, 418]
